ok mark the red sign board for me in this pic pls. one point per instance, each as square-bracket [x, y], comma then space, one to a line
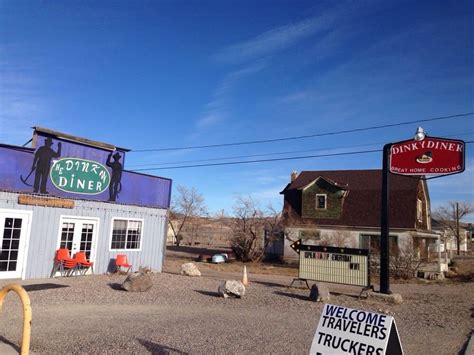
[429, 156]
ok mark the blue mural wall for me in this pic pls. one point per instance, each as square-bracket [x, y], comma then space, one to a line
[66, 169]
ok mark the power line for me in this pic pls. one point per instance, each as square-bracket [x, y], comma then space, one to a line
[254, 155]
[269, 160]
[262, 160]
[276, 153]
[304, 136]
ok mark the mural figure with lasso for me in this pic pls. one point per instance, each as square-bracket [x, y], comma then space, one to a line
[41, 165]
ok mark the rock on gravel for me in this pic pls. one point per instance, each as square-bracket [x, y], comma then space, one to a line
[319, 293]
[190, 269]
[231, 288]
[138, 282]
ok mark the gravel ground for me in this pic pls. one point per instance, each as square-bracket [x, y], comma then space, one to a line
[184, 315]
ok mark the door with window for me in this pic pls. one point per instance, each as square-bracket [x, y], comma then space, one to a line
[78, 234]
[14, 235]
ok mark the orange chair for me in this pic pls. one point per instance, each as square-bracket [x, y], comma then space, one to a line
[64, 263]
[83, 263]
[121, 261]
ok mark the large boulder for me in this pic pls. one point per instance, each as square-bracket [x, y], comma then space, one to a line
[319, 293]
[137, 282]
[190, 269]
[231, 288]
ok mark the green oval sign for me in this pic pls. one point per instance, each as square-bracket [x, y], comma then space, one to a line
[80, 176]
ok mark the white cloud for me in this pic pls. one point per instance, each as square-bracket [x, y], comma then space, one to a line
[283, 37]
[216, 109]
[269, 194]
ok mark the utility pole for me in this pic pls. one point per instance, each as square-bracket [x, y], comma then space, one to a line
[385, 225]
[458, 242]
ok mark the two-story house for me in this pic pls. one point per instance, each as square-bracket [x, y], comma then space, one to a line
[342, 208]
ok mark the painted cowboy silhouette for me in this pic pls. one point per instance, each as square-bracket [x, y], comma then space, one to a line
[115, 185]
[42, 164]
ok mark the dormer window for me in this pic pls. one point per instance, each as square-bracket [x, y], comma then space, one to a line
[321, 203]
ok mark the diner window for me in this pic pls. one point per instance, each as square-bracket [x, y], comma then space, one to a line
[126, 234]
[320, 201]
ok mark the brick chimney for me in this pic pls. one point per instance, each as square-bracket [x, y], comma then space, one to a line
[293, 176]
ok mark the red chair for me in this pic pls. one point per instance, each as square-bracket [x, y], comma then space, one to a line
[64, 263]
[83, 263]
[121, 261]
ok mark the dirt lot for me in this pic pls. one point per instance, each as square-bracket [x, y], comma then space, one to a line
[184, 315]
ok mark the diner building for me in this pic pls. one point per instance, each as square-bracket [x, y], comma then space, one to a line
[74, 193]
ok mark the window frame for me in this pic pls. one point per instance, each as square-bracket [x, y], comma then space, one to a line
[325, 202]
[393, 243]
[126, 236]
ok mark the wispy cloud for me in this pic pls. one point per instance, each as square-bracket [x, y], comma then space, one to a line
[281, 38]
[216, 109]
[269, 197]
[375, 75]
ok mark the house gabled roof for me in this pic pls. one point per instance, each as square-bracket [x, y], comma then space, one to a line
[363, 203]
[329, 181]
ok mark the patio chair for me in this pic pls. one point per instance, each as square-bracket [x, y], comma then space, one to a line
[121, 261]
[83, 263]
[64, 264]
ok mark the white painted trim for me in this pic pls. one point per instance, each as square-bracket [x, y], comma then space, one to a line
[325, 202]
[310, 184]
[419, 210]
[112, 232]
[329, 181]
[424, 187]
[26, 242]
[94, 237]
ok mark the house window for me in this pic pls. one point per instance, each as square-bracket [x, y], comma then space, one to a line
[372, 242]
[126, 234]
[419, 210]
[320, 202]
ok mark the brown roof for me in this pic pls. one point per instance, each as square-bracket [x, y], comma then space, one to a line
[362, 204]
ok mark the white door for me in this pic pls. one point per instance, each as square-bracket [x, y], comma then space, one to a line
[78, 234]
[14, 234]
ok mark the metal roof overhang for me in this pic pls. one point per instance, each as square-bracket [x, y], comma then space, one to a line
[81, 140]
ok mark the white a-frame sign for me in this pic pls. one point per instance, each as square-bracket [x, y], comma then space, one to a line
[344, 330]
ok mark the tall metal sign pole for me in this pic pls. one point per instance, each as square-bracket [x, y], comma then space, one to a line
[422, 156]
[384, 225]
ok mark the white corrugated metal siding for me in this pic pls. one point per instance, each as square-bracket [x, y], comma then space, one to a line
[45, 228]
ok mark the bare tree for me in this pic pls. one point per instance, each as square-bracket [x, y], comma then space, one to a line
[406, 262]
[249, 225]
[449, 217]
[186, 208]
[337, 239]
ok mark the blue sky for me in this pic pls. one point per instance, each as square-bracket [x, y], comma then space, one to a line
[159, 74]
